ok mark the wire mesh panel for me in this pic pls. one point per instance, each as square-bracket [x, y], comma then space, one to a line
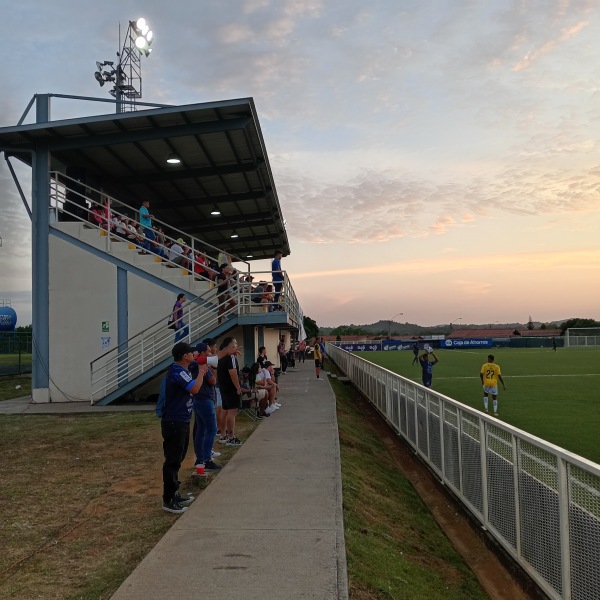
[584, 533]
[451, 451]
[539, 512]
[411, 409]
[422, 423]
[470, 448]
[501, 484]
[394, 414]
[403, 415]
[433, 421]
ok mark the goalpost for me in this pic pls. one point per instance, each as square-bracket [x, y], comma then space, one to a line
[582, 336]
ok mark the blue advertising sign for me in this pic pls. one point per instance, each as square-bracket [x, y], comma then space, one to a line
[468, 343]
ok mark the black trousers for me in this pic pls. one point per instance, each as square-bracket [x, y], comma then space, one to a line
[176, 438]
[284, 362]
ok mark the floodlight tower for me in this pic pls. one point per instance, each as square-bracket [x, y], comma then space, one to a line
[127, 74]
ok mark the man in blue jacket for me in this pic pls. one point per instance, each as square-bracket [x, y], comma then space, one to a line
[175, 424]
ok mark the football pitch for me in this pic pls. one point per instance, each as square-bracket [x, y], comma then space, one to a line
[552, 395]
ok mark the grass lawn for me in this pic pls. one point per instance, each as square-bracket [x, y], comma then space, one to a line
[9, 386]
[80, 507]
[553, 395]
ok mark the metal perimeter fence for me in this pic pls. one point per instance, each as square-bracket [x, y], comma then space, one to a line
[15, 353]
[539, 502]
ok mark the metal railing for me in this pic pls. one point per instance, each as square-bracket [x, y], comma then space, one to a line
[541, 503]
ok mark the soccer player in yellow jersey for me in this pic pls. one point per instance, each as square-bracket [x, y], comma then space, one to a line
[490, 375]
[318, 355]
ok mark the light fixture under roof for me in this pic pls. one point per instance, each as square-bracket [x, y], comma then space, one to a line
[249, 255]
[173, 159]
[215, 210]
[234, 234]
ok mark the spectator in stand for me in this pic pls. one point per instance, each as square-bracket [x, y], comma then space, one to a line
[146, 221]
[96, 215]
[175, 424]
[119, 226]
[131, 232]
[176, 254]
[140, 239]
[200, 264]
[229, 384]
[277, 277]
[160, 237]
[268, 298]
[181, 329]
[106, 213]
[204, 409]
[283, 361]
[224, 299]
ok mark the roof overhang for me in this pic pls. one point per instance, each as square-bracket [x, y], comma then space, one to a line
[223, 162]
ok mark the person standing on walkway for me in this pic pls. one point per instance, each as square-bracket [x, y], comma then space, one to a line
[427, 367]
[490, 375]
[181, 329]
[283, 361]
[301, 350]
[204, 408]
[228, 376]
[277, 277]
[323, 352]
[175, 423]
[318, 356]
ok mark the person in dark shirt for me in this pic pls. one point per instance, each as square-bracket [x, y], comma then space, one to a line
[415, 351]
[228, 376]
[175, 423]
[427, 367]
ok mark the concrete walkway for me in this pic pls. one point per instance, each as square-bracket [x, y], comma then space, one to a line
[270, 524]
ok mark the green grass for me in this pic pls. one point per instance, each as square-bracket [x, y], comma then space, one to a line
[552, 395]
[9, 383]
[394, 547]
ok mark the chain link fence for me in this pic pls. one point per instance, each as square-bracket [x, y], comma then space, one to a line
[15, 353]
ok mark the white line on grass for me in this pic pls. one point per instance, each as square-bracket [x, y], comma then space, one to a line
[528, 376]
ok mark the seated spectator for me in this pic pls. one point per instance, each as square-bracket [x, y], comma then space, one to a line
[268, 375]
[141, 238]
[130, 231]
[268, 297]
[257, 383]
[176, 254]
[96, 216]
[119, 225]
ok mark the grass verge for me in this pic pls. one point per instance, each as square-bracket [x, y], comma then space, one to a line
[395, 549]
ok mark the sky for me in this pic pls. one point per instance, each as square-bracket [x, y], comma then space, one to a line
[436, 162]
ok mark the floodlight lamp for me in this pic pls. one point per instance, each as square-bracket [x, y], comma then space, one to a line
[140, 23]
[215, 211]
[140, 42]
[99, 78]
[99, 65]
[173, 159]
[149, 37]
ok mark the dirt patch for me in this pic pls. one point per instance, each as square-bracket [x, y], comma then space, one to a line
[494, 576]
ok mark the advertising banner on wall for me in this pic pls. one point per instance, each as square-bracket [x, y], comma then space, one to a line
[467, 343]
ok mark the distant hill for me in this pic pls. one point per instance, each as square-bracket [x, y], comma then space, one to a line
[381, 327]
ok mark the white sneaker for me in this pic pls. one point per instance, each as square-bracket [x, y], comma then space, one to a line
[277, 404]
[270, 409]
[214, 454]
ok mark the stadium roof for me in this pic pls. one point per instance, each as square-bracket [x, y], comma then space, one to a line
[223, 162]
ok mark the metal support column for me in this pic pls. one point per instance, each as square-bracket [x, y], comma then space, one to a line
[40, 207]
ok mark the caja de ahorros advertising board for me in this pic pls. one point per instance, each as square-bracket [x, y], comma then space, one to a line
[468, 343]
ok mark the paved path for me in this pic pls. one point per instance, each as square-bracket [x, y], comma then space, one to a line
[269, 526]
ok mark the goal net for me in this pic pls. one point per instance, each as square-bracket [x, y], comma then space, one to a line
[582, 336]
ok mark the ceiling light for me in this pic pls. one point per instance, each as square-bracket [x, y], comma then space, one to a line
[215, 210]
[249, 255]
[234, 234]
[173, 159]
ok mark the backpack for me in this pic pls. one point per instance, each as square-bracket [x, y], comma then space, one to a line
[159, 411]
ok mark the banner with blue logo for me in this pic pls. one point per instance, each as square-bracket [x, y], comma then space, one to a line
[467, 343]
